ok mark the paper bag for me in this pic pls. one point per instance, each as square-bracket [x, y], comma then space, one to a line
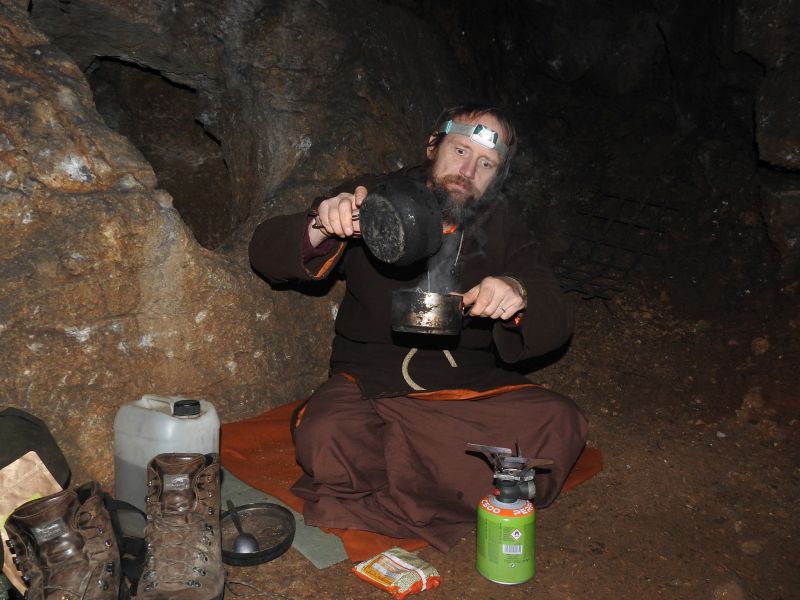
[24, 479]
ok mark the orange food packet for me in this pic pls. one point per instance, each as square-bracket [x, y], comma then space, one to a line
[399, 572]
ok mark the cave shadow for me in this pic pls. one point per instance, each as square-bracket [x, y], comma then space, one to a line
[162, 118]
[316, 289]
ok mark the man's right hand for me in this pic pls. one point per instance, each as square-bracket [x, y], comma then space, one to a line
[335, 217]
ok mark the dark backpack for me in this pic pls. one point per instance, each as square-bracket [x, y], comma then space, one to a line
[20, 433]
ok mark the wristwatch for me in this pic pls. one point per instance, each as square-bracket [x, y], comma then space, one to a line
[522, 291]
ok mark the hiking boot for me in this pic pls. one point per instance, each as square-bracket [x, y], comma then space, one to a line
[183, 559]
[64, 546]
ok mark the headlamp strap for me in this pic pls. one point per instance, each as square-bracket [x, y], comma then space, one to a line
[485, 136]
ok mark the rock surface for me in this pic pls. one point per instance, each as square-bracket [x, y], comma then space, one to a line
[770, 33]
[106, 293]
[780, 193]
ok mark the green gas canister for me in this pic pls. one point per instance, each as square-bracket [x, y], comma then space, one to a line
[505, 540]
[506, 524]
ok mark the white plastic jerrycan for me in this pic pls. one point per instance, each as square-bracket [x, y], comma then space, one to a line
[155, 425]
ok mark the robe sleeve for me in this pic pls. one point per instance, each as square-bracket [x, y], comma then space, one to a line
[548, 320]
[278, 251]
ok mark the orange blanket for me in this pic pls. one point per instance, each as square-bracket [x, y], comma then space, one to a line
[259, 451]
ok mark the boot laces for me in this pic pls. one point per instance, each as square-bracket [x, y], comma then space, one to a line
[70, 594]
[179, 547]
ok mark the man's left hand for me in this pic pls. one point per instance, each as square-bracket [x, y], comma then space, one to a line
[496, 298]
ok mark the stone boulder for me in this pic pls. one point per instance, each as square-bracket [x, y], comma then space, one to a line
[770, 33]
[778, 118]
[780, 194]
[106, 293]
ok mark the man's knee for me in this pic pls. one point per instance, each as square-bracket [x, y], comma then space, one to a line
[329, 429]
[312, 427]
[316, 434]
[559, 410]
[341, 450]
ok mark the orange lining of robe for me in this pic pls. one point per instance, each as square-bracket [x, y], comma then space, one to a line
[452, 394]
[260, 452]
[323, 271]
[455, 393]
[449, 229]
[465, 394]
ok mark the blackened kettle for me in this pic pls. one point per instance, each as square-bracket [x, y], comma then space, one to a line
[401, 221]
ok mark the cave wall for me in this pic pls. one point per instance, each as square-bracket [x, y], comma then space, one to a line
[106, 293]
[158, 116]
[108, 290]
[271, 74]
[770, 33]
[687, 105]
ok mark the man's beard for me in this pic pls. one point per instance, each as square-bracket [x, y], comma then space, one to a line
[458, 206]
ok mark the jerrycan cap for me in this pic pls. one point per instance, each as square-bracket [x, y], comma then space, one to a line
[186, 408]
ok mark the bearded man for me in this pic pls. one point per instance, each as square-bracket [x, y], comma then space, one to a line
[382, 442]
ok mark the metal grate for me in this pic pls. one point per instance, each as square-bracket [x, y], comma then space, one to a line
[611, 238]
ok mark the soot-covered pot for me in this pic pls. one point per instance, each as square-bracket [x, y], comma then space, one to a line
[416, 311]
[401, 221]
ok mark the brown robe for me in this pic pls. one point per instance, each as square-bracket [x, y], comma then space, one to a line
[376, 458]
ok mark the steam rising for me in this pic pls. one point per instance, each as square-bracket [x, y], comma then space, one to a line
[441, 277]
[467, 214]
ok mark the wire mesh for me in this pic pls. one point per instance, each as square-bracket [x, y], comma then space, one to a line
[611, 237]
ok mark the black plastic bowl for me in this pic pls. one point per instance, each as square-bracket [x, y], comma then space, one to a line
[271, 524]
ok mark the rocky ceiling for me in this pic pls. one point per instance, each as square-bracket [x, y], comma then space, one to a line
[142, 141]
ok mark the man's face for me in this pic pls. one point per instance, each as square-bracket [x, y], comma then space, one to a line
[461, 166]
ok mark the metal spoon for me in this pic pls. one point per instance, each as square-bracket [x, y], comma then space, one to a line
[245, 543]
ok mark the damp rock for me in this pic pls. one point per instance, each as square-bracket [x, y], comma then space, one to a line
[780, 195]
[752, 405]
[729, 590]
[759, 346]
[751, 547]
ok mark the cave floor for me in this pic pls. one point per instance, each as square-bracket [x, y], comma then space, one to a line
[698, 423]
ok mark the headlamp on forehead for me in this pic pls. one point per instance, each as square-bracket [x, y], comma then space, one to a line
[485, 136]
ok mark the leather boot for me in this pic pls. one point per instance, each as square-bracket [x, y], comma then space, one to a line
[183, 559]
[64, 546]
